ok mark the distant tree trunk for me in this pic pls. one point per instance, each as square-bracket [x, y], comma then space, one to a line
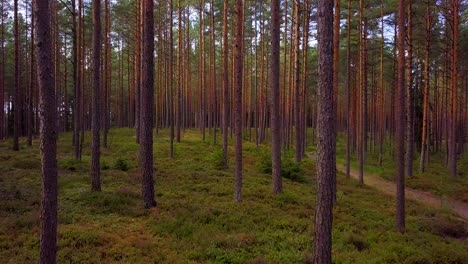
[409, 96]
[454, 90]
[147, 107]
[32, 82]
[297, 94]
[2, 75]
[137, 70]
[16, 100]
[326, 135]
[275, 100]
[48, 113]
[348, 90]
[171, 78]
[213, 72]
[399, 121]
[95, 152]
[336, 68]
[107, 73]
[225, 83]
[361, 142]
[76, 86]
[424, 144]
[201, 78]
[179, 73]
[238, 67]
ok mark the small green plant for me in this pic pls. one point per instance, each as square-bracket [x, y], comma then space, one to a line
[71, 164]
[104, 165]
[289, 168]
[217, 160]
[121, 164]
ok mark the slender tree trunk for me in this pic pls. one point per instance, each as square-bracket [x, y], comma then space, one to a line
[147, 107]
[297, 95]
[238, 68]
[275, 100]
[171, 78]
[48, 113]
[399, 121]
[409, 96]
[95, 152]
[326, 135]
[454, 90]
[16, 100]
[424, 145]
[225, 83]
[32, 81]
[180, 73]
[348, 91]
[336, 68]
[2, 76]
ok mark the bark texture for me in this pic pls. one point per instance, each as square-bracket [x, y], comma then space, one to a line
[326, 135]
[48, 131]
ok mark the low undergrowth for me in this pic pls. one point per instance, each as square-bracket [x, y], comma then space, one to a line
[197, 220]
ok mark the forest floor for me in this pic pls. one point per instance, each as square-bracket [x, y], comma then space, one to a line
[423, 197]
[197, 220]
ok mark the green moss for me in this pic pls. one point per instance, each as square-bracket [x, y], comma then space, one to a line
[197, 220]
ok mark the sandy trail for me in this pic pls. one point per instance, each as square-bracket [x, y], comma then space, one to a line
[389, 188]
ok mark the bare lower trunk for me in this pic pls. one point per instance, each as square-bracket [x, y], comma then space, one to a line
[326, 170]
[275, 103]
[147, 105]
[48, 113]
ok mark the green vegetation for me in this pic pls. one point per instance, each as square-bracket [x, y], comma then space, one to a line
[435, 179]
[197, 220]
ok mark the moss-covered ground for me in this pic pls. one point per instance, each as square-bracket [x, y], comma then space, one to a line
[197, 220]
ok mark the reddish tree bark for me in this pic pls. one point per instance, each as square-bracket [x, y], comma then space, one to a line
[16, 98]
[399, 121]
[225, 83]
[238, 70]
[48, 113]
[326, 135]
[95, 147]
[147, 106]
[275, 100]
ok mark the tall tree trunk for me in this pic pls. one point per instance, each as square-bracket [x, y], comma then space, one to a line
[147, 107]
[179, 73]
[326, 135]
[336, 68]
[361, 129]
[107, 73]
[275, 100]
[348, 90]
[409, 96]
[238, 68]
[399, 121]
[16, 100]
[454, 90]
[2, 76]
[48, 113]
[424, 140]
[297, 94]
[225, 84]
[32, 82]
[95, 152]
[171, 78]
[76, 86]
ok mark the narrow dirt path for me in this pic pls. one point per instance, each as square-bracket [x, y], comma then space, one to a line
[387, 187]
